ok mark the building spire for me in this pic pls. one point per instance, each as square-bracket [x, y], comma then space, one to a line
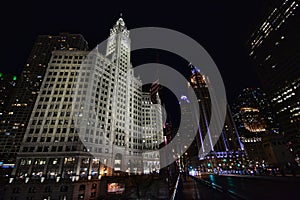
[119, 27]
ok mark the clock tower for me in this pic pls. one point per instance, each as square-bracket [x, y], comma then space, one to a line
[118, 44]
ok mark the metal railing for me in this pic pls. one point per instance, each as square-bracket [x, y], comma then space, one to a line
[173, 197]
[219, 188]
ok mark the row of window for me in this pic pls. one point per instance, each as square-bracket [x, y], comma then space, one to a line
[52, 122]
[51, 149]
[49, 189]
[53, 139]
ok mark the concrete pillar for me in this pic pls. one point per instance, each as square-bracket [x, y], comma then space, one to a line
[46, 166]
[61, 162]
[90, 167]
[17, 166]
[77, 166]
[30, 167]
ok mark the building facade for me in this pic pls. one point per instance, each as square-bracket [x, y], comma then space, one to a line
[61, 190]
[258, 128]
[152, 125]
[7, 84]
[13, 124]
[91, 118]
[228, 143]
[274, 46]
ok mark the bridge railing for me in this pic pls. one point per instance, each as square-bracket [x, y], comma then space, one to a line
[176, 188]
[219, 188]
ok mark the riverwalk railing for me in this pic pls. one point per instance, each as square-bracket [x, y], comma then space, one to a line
[176, 187]
[218, 187]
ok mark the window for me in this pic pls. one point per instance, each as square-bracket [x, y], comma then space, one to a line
[82, 187]
[31, 190]
[93, 194]
[16, 190]
[48, 189]
[53, 149]
[62, 197]
[64, 188]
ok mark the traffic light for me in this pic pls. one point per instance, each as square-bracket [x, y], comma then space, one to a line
[208, 164]
[224, 160]
[238, 164]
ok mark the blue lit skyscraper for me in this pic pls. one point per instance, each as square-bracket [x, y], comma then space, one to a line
[228, 143]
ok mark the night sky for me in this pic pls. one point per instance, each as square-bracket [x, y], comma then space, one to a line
[222, 28]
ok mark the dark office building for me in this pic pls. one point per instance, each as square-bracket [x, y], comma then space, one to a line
[275, 47]
[258, 129]
[253, 113]
[7, 83]
[19, 108]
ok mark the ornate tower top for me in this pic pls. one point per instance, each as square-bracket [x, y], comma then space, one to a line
[119, 27]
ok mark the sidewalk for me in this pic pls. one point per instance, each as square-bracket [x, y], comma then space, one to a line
[278, 176]
[191, 189]
[188, 189]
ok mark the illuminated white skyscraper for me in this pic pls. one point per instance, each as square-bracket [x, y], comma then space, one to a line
[152, 131]
[91, 113]
[22, 99]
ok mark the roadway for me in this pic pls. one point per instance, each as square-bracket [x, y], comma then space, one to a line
[193, 189]
[209, 186]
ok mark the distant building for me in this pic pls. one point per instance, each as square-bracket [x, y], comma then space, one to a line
[276, 151]
[228, 144]
[13, 124]
[7, 84]
[253, 113]
[258, 128]
[152, 126]
[274, 46]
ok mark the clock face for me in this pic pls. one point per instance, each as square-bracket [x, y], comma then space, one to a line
[111, 39]
[125, 41]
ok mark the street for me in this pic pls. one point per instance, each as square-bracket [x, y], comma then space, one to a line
[251, 187]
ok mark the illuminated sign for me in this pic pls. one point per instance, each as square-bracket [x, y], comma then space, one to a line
[115, 188]
[5, 166]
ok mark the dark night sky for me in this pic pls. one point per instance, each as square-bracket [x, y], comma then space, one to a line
[221, 28]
